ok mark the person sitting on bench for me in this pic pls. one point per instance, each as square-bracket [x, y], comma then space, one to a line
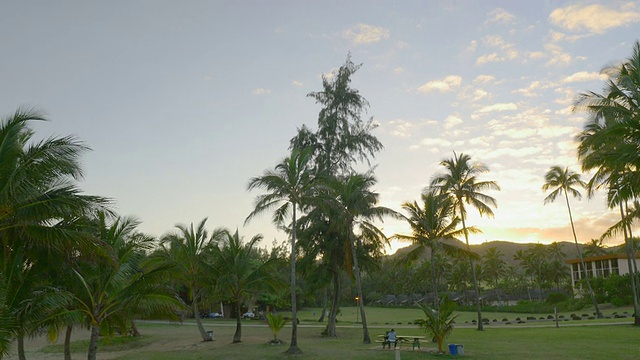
[391, 338]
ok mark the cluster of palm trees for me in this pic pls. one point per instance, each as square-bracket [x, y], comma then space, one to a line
[68, 261]
[609, 148]
[319, 198]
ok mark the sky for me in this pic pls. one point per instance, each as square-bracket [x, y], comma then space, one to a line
[182, 102]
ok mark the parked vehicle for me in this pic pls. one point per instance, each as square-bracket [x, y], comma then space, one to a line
[248, 315]
[215, 315]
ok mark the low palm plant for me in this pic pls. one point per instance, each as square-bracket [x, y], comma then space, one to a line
[276, 323]
[438, 322]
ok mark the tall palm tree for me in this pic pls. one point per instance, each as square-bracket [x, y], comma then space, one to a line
[432, 223]
[289, 187]
[184, 250]
[241, 273]
[564, 181]
[460, 182]
[608, 144]
[358, 209]
[38, 197]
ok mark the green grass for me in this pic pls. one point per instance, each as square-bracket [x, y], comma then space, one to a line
[573, 340]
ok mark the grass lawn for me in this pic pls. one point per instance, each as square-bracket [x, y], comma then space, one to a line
[573, 340]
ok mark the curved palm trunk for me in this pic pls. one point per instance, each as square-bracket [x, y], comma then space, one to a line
[473, 268]
[324, 305]
[237, 336]
[67, 342]
[93, 342]
[634, 289]
[584, 267]
[293, 347]
[365, 330]
[196, 314]
[633, 251]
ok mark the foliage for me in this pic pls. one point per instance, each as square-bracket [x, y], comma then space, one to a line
[438, 321]
[276, 323]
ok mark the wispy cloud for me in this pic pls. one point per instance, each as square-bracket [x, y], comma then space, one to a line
[365, 34]
[501, 16]
[447, 84]
[507, 51]
[401, 128]
[582, 76]
[296, 83]
[260, 91]
[499, 107]
[593, 18]
[452, 121]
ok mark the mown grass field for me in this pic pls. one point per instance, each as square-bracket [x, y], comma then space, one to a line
[593, 339]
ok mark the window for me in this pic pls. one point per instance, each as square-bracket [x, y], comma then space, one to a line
[599, 268]
[614, 267]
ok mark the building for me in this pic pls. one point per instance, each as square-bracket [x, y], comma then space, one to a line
[600, 266]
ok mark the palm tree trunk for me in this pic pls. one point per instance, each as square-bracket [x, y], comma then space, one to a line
[324, 305]
[134, 329]
[575, 238]
[21, 355]
[331, 325]
[93, 342]
[630, 255]
[293, 347]
[237, 336]
[473, 268]
[365, 330]
[67, 342]
[196, 313]
[436, 300]
[634, 263]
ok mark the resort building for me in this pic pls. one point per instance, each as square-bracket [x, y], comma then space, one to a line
[600, 266]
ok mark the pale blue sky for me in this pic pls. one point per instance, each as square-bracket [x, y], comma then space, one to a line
[183, 101]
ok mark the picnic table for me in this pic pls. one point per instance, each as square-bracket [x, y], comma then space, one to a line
[414, 339]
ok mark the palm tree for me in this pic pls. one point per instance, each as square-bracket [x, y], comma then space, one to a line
[116, 289]
[608, 144]
[184, 250]
[460, 182]
[595, 248]
[431, 223]
[494, 267]
[439, 321]
[357, 205]
[38, 198]
[563, 181]
[241, 274]
[289, 187]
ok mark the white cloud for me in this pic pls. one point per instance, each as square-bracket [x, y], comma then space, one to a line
[479, 94]
[447, 84]
[483, 79]
[398, 70]
[582, 76]
[401, 128]
[297, 83]
[501, 16]
[451, 121]
[487, 58]
[593, 18]
[499, 107]
[507, 50]
[365, 34]
[531, 90]
[473, 45]
[434, 144]
[260, 91]
[559, 56]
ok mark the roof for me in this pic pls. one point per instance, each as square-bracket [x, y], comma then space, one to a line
[600, 257]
